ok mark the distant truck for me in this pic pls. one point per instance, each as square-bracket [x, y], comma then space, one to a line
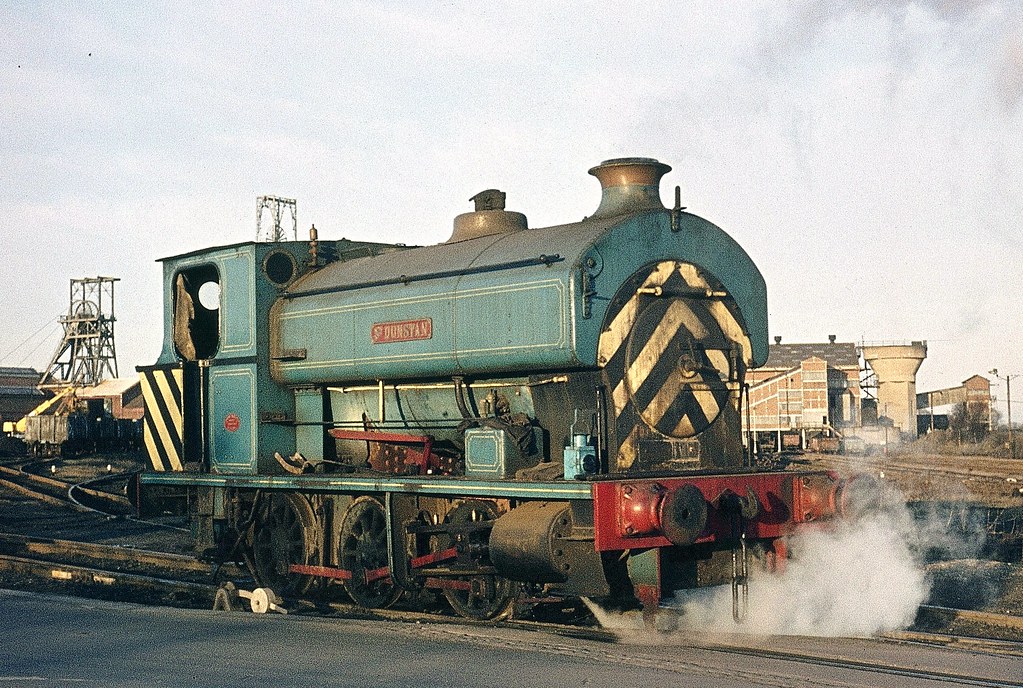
[821, 444]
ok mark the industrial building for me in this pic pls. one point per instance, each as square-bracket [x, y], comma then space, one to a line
[121, 397]
[804, 391]
[935, 408]
[827, 394]
[18, 393]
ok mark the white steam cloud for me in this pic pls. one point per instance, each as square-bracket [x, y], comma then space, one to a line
[855, 579]
[851, 578]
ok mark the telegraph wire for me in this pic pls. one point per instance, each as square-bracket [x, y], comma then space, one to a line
[53, 324]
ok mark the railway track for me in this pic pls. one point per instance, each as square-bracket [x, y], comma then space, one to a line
[996, 471]
[110, 561]
[757, 664]
[131, 572]
[83, 496]
[106, 571]
[128, 574]
[59, 552]
[101, 495]
[885, 671]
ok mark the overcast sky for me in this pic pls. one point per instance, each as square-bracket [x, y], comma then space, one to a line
[868, 155]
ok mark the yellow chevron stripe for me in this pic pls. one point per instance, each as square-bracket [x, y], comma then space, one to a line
[731, 328]
[719, 360]
[177, 377]
[659, 339]
[683, 312]
[620, 395]
[692, 277]
[628, 451]
[147, 433]
[617, 332]
[708, 402]
[611, 339]
[163, 381]
[684, 428]
[149, 396]
[660, 274]
[669, 391]
[154, 455]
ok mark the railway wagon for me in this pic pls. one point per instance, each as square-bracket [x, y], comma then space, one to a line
[513, 414]
[79, 432]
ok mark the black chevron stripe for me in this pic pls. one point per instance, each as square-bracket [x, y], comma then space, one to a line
[685, 405]
[683, 402]
[160, 460]
[162, 418]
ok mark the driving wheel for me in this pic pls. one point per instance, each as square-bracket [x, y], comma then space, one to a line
[481, 596]
[284, 533]
[362, 550]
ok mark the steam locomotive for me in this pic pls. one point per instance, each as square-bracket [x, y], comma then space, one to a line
[512, 414]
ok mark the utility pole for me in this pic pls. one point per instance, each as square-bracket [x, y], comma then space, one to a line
[1008, 404]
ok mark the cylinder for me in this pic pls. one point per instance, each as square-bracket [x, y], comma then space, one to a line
[524, 543]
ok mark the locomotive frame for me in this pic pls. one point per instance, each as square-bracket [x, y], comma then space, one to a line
[516, 413]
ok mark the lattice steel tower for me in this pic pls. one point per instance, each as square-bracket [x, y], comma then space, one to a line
[276, 205]
[85, 356]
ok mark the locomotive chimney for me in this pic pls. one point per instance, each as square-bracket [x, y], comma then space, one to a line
[490, 217]
[629, 185]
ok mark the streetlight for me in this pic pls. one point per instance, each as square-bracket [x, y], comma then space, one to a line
[1008, 404]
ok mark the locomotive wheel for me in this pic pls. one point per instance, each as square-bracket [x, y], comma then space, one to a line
[362, 548]
[487, 597]
[284, 533]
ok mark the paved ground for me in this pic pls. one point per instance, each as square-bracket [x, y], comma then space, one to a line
[55, 641]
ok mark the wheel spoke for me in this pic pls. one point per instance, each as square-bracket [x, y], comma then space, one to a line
[284, 535]
[488, 596]
[363, 547]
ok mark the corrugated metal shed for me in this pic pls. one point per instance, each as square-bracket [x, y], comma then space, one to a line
[109, 388]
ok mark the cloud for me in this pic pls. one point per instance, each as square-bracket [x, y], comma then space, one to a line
[1008, 70]
[866, 154]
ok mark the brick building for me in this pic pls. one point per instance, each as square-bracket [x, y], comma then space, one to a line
[18, 393]
[802, 391]
[121, 397]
